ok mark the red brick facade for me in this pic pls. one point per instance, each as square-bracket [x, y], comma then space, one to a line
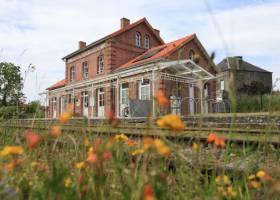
[119, 50]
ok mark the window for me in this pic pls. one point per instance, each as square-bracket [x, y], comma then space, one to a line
[144, 90]
[124, 93]
[85, 70]
[222, 85]
[101, 97]
[138, 39]
[100, 64]
[191, 55]
[72, 73]
[70, 98]
[147, 41]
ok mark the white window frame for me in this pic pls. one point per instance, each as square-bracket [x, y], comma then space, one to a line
[147, 87]
[101, 93]
[85, 70]
[138, 39]
[100, 64]
[72, 73]
[222, 85]
[124, 93]
[147, 41]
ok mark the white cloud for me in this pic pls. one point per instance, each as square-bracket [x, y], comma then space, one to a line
[49, 30]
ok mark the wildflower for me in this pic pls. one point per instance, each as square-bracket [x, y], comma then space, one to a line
[13, 163]
[131, 143]
[211, 137]
[86, 142]
[67, 182]
[195, 146]
[64, 117]
[55, 131]
[11, 150]
[161, 98]
[216, 140]
[173, 122]
[162, 148]
[263, 175]
[231, 192]
[106, 155]
[81, 165]
[137, 152]
[255, 184]
[223, 180]
[34, 164]
[92, 158]
[32, 139]
[147, 142]
[121, 137]
[148, 193]
[112, 118]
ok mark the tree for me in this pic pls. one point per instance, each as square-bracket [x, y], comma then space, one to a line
[11, 84]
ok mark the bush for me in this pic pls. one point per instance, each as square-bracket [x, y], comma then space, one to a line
[8, 112]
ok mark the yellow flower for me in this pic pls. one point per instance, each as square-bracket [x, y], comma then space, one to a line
[173, 122]
[195, 146]
[138, 152]
[81, 165]
[162, 148]
[147, 142]
[67, 182]
[86, 142]
[252, 177]
[34, 164]
[222, 180]
[255, 184]
[231, 192]
[11, 150]
[121, 137]
[261, 174]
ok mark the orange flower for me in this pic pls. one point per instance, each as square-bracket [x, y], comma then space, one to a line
[162, 148]
[32, 139]
[13, 163]
[173, 122]
[121, 137]
[92, 158]
[211, 137]
[55, 131]
[148, 193]
[147, 142]
[137, 152]
[161, 98]
[220, 142]
[11, 150]
[64, 117]
[131, 143]
[106, 155]
[216, 140]
[263, 175]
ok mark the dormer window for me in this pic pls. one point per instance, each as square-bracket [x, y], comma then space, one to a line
[85, 70]
[138, 39]
[147, 41]
[72, 73]
[100, 64]
[191, 55]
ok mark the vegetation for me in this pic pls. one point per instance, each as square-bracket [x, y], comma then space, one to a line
[82, 165]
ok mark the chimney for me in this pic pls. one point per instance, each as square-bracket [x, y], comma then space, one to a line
[124, 22]
[82, 44]
[157, 32]
[238, 60]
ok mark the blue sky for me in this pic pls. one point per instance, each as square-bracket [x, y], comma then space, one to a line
[42, 32]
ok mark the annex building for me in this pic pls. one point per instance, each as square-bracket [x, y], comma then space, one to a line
[121, 73]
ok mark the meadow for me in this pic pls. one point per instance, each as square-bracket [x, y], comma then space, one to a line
[57, 164]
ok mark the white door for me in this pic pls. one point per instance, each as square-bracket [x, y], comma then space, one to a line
[191, 98]
[54, 107]
[205, 106]
[124, 110]
[100, 96]
[85, 103]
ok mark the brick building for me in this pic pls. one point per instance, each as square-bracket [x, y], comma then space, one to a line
[122, 71]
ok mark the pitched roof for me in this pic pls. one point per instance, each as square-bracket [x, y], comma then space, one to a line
[59, 84]
[238, 63]
[158, 52]
[116, 33]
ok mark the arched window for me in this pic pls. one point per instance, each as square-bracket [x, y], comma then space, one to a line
[138, 39]
[191, 55]
[100, 64]
[147, 41]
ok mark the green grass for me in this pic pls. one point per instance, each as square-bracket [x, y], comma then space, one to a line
[187, 173]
